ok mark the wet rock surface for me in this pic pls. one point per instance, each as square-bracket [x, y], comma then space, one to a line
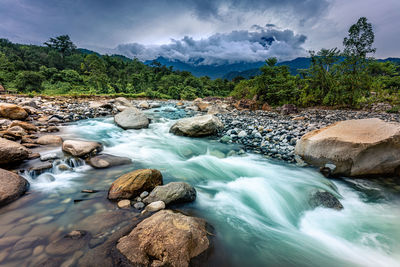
[12, 186]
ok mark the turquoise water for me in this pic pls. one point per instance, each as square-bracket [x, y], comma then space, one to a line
[258, 207]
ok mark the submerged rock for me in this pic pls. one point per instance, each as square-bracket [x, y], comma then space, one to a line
[174, 192]
[12, 111]
[12, 186]
[11, 152]
[166, 238]
[197, 126]
[132, 184]
[321, 198]
[355, 147]
[131, 118]
[105, 161]
[81, 149]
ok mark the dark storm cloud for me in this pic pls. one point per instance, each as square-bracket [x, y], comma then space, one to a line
[222, 48]
[109, 22]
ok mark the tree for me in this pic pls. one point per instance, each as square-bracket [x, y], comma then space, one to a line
[360, 39]
[62, 43]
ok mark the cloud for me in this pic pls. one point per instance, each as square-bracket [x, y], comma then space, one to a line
[223, 48]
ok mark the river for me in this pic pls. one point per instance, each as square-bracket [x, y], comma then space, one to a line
[258, 207]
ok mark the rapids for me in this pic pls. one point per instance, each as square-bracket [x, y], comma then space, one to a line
[258, 207]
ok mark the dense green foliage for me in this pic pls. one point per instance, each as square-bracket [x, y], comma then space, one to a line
[347, 79]
[59, 68]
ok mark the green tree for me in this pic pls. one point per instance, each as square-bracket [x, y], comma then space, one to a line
[29, 81]
[62, 43]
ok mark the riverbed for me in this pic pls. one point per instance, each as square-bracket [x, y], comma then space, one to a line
[258, 207]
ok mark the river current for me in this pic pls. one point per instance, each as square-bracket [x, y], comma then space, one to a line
[258, 207]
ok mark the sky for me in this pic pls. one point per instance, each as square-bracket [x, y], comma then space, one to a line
[215, 31]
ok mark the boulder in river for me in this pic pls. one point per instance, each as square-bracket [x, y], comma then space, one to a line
[12, 186]
[356, 147]
[132, 184]
[131, 118]
[11, 152]
[166, 238]
[49, 140]
[12, 111]
[197, 126]
[174, 192]
[81, 149]
[105, 161]
[321, 198]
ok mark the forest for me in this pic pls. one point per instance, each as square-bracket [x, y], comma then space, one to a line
[348, 78]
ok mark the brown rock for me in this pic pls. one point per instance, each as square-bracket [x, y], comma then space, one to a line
[197, 126]
[49, 140]
[13, 112]
[12, 186]
[355, 147]
[11, 152]
[246, 104]
[81, 148]
[25, 125]
[266, 107]
[132, 184]
[166, 238]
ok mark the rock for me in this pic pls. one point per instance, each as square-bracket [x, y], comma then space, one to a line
[49, 140]
[246, 104]
[69, 243]
[131, 118]
[217, 109]
[242, 134]
[124, 204]
[41, 167]
[165, 239]
[16, 131]
[122, 101]
[289, 109]
[155, 206]
[197, 126]
[100, 104]
[203, 106]
[321, 198]
[13, 112]
[144, 105]
[144, 194]
[171, 193]
[81, 149]
[139, 205]
[11, 152]
[266, 107]
[24, 125]
[356, 147]
[12, 186]
[131, 184]
[105, 161]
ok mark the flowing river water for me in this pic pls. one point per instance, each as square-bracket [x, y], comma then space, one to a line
[258, 207]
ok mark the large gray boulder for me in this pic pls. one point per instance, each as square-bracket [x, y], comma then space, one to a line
[131, 118]
[355, 147]
[197, 126]
[12, 186]
[81, 149]
[11, 152]
[175, 192]
[166, 238]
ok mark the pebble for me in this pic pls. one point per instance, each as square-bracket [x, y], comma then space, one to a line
[124, 204]
[144, 194]
[139, 205]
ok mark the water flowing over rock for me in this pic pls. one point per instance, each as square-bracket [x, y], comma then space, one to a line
[49, 140]
[355, 147]
[11, 152]
[132, 184]
[197, 126]
[131, 118]
[12, 186]
[12, 111]
[174, 192]
[166, 238]
[81, 149]
[105, 161]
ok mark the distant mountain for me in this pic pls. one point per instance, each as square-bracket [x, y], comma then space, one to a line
[212, 71]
